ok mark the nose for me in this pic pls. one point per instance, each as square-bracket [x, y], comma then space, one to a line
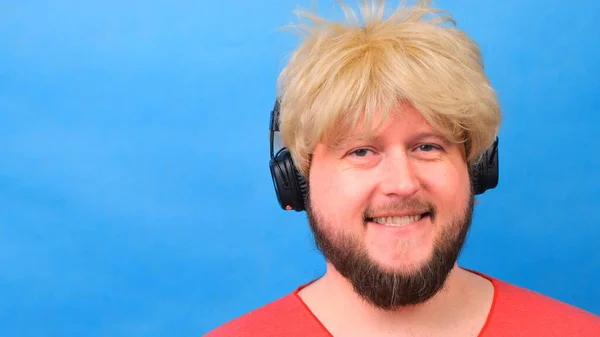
[399, 176]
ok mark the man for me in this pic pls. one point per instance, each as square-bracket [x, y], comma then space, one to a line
[389, 130]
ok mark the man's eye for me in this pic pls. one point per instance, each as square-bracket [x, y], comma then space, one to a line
[361, 152]
[428, 147]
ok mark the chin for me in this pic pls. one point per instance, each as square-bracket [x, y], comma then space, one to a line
[402, 261]
[403, 253]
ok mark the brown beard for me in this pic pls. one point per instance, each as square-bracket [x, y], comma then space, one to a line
[392, 290]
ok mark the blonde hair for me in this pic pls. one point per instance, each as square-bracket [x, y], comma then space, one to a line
[343, 73]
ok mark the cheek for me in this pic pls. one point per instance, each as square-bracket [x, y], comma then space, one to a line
[338, 197]
[449, 184]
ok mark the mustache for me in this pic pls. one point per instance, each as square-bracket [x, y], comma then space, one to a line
[413, 205]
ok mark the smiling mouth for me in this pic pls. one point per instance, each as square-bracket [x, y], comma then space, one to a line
[397, 221]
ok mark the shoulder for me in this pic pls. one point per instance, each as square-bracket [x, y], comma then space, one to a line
[526, 312]
[258, 319]
[286, 316]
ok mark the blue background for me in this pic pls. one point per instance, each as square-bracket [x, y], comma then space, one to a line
[135, 197]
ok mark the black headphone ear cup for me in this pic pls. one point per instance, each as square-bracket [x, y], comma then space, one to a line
[290, 186]
[477, 178]
[485, 173]
[303, 185]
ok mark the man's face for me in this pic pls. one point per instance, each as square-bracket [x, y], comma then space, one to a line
[391, 213]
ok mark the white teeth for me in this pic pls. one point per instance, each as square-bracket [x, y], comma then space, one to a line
[397, 221]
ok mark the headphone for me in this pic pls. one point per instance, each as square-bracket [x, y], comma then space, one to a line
[291, 187]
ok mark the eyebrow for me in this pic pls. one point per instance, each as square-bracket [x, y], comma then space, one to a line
[428, 135]
[419, 137]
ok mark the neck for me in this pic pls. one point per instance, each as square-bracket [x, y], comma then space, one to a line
[333, 300]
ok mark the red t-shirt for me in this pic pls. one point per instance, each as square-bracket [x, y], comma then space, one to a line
[515, 312]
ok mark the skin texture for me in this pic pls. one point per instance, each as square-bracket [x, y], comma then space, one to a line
[393, 273]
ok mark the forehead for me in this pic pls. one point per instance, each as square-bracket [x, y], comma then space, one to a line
[401, 122]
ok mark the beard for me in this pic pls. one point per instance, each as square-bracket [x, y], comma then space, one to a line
[385, 289]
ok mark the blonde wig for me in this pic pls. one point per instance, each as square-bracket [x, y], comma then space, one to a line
[343, 73]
